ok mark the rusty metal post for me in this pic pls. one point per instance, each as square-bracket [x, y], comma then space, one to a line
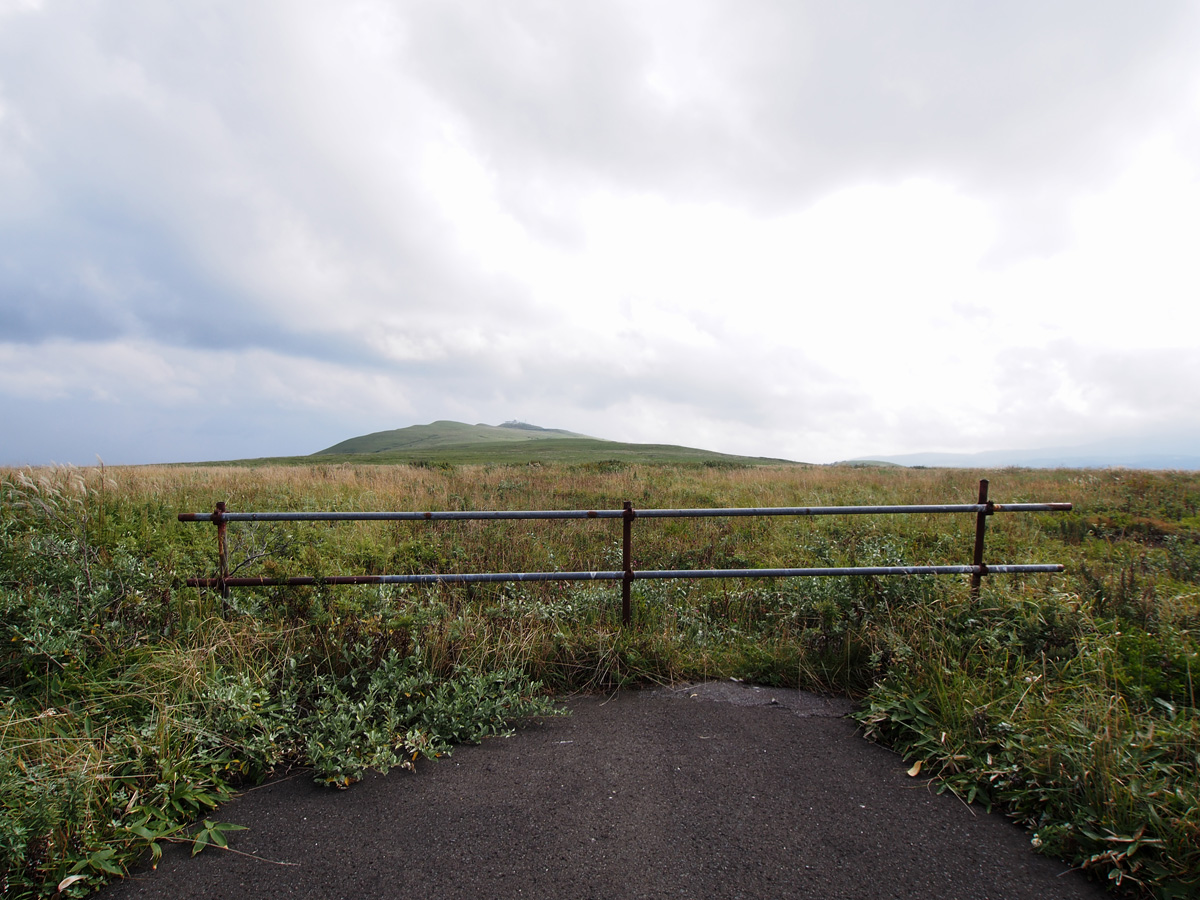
[980, 532]
[222, 556]
[626, 560]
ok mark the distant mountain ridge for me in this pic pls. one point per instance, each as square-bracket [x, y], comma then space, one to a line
[1097, 456]
[525, 426]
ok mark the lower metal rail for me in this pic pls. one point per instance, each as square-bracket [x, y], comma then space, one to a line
[638, 575]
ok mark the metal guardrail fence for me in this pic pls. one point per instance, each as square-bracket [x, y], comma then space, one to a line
[627, 574]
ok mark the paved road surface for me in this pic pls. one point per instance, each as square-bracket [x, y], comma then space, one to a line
[712, 791]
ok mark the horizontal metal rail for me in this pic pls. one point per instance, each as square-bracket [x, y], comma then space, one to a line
[627, 575]
[499, 514]
[638, 575]
[1004, 569]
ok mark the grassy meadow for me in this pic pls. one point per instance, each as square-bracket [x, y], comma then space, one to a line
[133, 706]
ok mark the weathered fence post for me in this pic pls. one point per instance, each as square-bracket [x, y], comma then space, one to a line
[222, 557]
[980, 532]
[626, 560]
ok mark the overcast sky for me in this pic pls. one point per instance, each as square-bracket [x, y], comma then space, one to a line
[810, 230]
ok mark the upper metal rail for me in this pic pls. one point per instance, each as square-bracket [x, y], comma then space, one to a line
[492, 514]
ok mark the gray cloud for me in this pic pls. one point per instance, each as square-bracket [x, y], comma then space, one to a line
[159, 156]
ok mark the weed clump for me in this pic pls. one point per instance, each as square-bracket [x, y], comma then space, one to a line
[130, 713]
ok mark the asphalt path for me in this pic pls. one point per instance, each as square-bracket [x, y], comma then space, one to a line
[707, 791]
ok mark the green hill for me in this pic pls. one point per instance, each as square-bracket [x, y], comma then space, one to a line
[511, 443]
[442, 434]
